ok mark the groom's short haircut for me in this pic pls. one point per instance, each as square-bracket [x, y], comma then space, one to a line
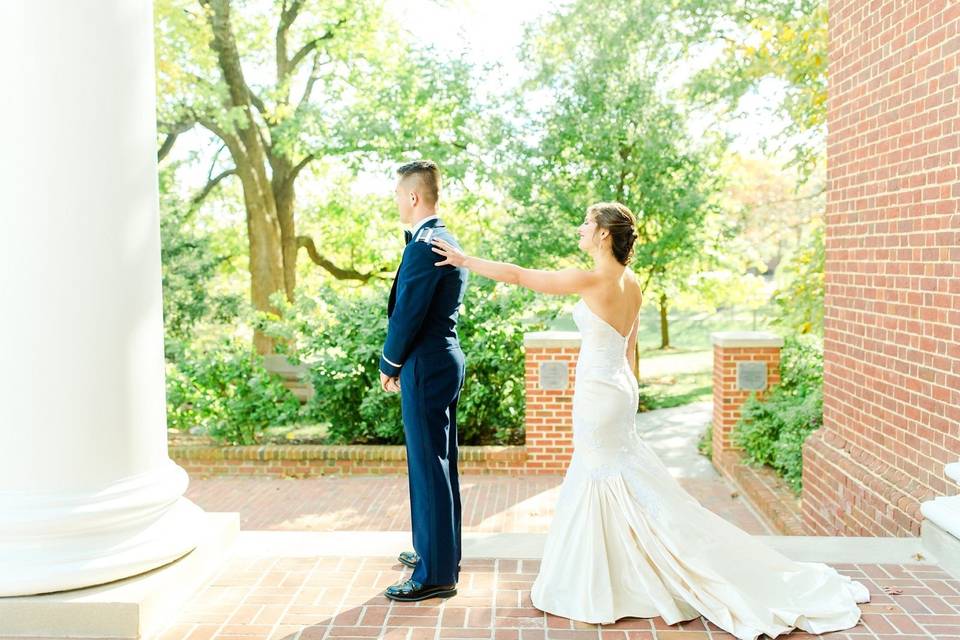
[428, 175]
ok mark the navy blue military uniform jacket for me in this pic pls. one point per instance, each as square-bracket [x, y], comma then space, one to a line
[424, 301]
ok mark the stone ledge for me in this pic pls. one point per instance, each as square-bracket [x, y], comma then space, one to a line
[766, 492]
[953, 471]
[731, 339]
[943, 511]
[552, 339]
[944, 547]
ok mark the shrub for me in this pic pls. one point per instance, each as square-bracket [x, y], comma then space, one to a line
[799, 297]
[191, 260]
[772, 430]
[491, 332]
[705, 444]
[343, 350]
[341, 337]
[227, 392]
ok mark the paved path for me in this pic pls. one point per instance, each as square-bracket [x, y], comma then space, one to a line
[334, 597]
[282, 585]
[492, 503]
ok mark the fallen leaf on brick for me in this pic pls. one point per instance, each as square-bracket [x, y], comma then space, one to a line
[893, 591]
[918, 556]
[734, 494]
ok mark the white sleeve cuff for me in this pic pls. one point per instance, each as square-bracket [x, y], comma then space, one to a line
[391, 362]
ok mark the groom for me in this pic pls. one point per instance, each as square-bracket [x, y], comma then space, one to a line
[422, 360]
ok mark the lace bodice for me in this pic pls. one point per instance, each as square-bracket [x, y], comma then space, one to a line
[605, 395]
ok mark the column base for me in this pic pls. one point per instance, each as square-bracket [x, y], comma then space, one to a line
[58, 541]
[134, 607]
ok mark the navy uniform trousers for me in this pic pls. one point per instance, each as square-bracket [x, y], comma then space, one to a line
[423, 349]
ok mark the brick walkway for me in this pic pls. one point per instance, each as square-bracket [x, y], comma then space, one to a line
[495, 503]
[502, 504]
[289, 593]
[326, 598]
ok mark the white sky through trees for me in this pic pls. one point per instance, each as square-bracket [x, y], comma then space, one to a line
[489, 32]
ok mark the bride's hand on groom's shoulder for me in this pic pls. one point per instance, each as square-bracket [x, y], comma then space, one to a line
[452, 255]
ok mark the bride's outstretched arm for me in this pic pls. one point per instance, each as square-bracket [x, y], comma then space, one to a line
[562, 282]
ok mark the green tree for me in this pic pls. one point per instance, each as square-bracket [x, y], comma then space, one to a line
[799, 295]
[764, 39]
[611, 132]
[191, 260]
[315, 79]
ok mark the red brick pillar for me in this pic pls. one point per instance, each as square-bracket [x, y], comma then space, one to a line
[743, 363]
[891, 371]
[549, 372]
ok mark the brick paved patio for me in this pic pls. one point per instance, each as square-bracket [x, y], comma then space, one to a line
[295, 590]
[381, 503]
[321, 598]
[491, 503]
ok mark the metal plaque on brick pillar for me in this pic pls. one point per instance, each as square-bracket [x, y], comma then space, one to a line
[752, 376]
[554, 375]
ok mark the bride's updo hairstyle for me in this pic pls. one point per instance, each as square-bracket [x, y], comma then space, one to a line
[622, 225]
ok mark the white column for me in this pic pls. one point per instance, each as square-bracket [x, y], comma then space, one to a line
[87, 492]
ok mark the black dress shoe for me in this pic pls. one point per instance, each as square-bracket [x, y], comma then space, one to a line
[409, 558]
[412, 591]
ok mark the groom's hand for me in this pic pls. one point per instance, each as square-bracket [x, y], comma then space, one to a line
[388, 384]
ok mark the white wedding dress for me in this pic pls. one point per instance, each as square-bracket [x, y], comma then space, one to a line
[628, 541]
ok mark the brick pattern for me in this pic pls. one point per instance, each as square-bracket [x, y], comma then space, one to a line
[892, 308]
[306, 461]
[323, 598]
[728, 400]
[491, 504]
[549, 412]
[767, 492]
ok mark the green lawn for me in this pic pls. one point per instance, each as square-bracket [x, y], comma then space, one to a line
[295, 434]
[674, 388]
[683, 374]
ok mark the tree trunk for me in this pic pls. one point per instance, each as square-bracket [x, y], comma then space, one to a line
[285, 197]
[247, 148]
[263, 236]
[664, 326]
[269, 196]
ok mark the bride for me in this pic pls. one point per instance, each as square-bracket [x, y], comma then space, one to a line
[627, 540]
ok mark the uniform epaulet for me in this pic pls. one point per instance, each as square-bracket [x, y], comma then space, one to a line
[425, 235]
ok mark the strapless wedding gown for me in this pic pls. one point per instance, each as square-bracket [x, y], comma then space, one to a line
[628, 541]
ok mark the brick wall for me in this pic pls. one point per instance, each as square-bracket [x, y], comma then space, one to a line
[549, 412]
[305, 461]
[769, 495]
[892, 328]
[730, 348]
